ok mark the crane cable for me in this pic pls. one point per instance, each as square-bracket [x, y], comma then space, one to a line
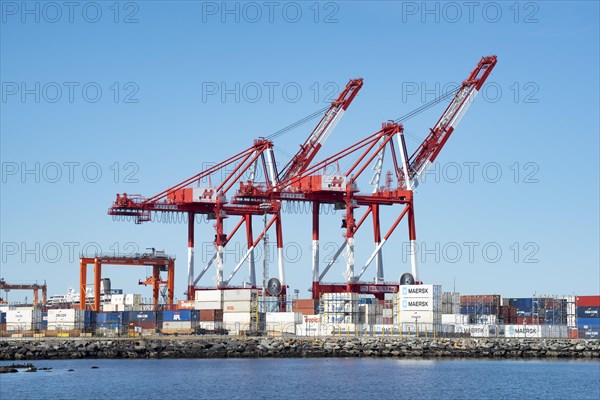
[403, 118]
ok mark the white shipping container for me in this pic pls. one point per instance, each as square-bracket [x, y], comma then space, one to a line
[421, 291]
[287, 317]
[208, 305]
[237, 307]
[20, 315]
[486, 319]
[427, 317]
[239, 295]
[571, 321]
[209, 295]
[65, 326]
[233, 317]
[523, 331]
[476, 330]
[419, 304]
[454, 319]
[67, 315]
[179, 324]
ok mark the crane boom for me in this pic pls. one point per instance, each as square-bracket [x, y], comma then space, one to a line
[427, 152]
[319, 135]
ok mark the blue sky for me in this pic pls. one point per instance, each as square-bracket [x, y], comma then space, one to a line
[148, 93]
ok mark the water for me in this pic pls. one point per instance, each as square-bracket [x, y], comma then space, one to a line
[305, 379]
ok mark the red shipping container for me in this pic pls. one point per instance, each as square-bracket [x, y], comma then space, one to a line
[306, 311]
[587, 301]
[211, 315]
[573, 333]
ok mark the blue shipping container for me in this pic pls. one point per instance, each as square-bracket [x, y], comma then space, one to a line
[587, 323]
[139, 316]
[522, 303]
[181, 315]
[588, 312]
[44, 320]
[589, 333]
[2, 318]
[479, 310]
[109, 317]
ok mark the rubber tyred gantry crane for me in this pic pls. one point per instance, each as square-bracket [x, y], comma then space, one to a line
[157, 260]
[35, 287]
[341, 189]
[212, 201]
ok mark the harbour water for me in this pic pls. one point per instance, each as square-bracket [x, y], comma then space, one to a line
[330, 378]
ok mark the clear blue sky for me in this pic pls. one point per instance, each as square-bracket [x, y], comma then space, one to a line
[162, 115]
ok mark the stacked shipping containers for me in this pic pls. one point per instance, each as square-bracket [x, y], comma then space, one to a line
[420, 307]
[588, 316]
[240, 311]
[340, 308]
[480, 304]
[180, 321]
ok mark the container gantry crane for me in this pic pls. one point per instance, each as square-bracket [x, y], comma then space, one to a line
[157, 260]
[342, 190]
[35, 287]
[213, 202]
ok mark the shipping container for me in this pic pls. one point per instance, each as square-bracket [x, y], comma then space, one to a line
[421, 291]
[181, 315]
[209, 295]
[573, 333]
[587, 301]
[238, 307]
[2, 318]
[240, 295]
[588, 323]
[487, 299]
[139, 316]
[211, 315]
[186, 305]
[108, 318]
[588, 312]
[592, 333]
[530, 321]
[293, 317]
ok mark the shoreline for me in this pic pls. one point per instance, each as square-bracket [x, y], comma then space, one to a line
[296, 347]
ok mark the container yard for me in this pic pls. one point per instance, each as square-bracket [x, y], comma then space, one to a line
[409, 307]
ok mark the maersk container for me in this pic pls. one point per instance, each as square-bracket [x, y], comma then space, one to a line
[588, 312]
[588, 323]
[181, 315]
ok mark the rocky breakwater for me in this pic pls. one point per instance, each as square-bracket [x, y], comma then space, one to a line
[225, 347]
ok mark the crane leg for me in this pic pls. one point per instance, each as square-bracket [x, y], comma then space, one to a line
[190, 283]
[97, 278]
[412, 236]
[377, 233]
[82, 284]
[315, 243]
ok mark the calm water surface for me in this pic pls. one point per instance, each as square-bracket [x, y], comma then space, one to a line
[305, 379]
